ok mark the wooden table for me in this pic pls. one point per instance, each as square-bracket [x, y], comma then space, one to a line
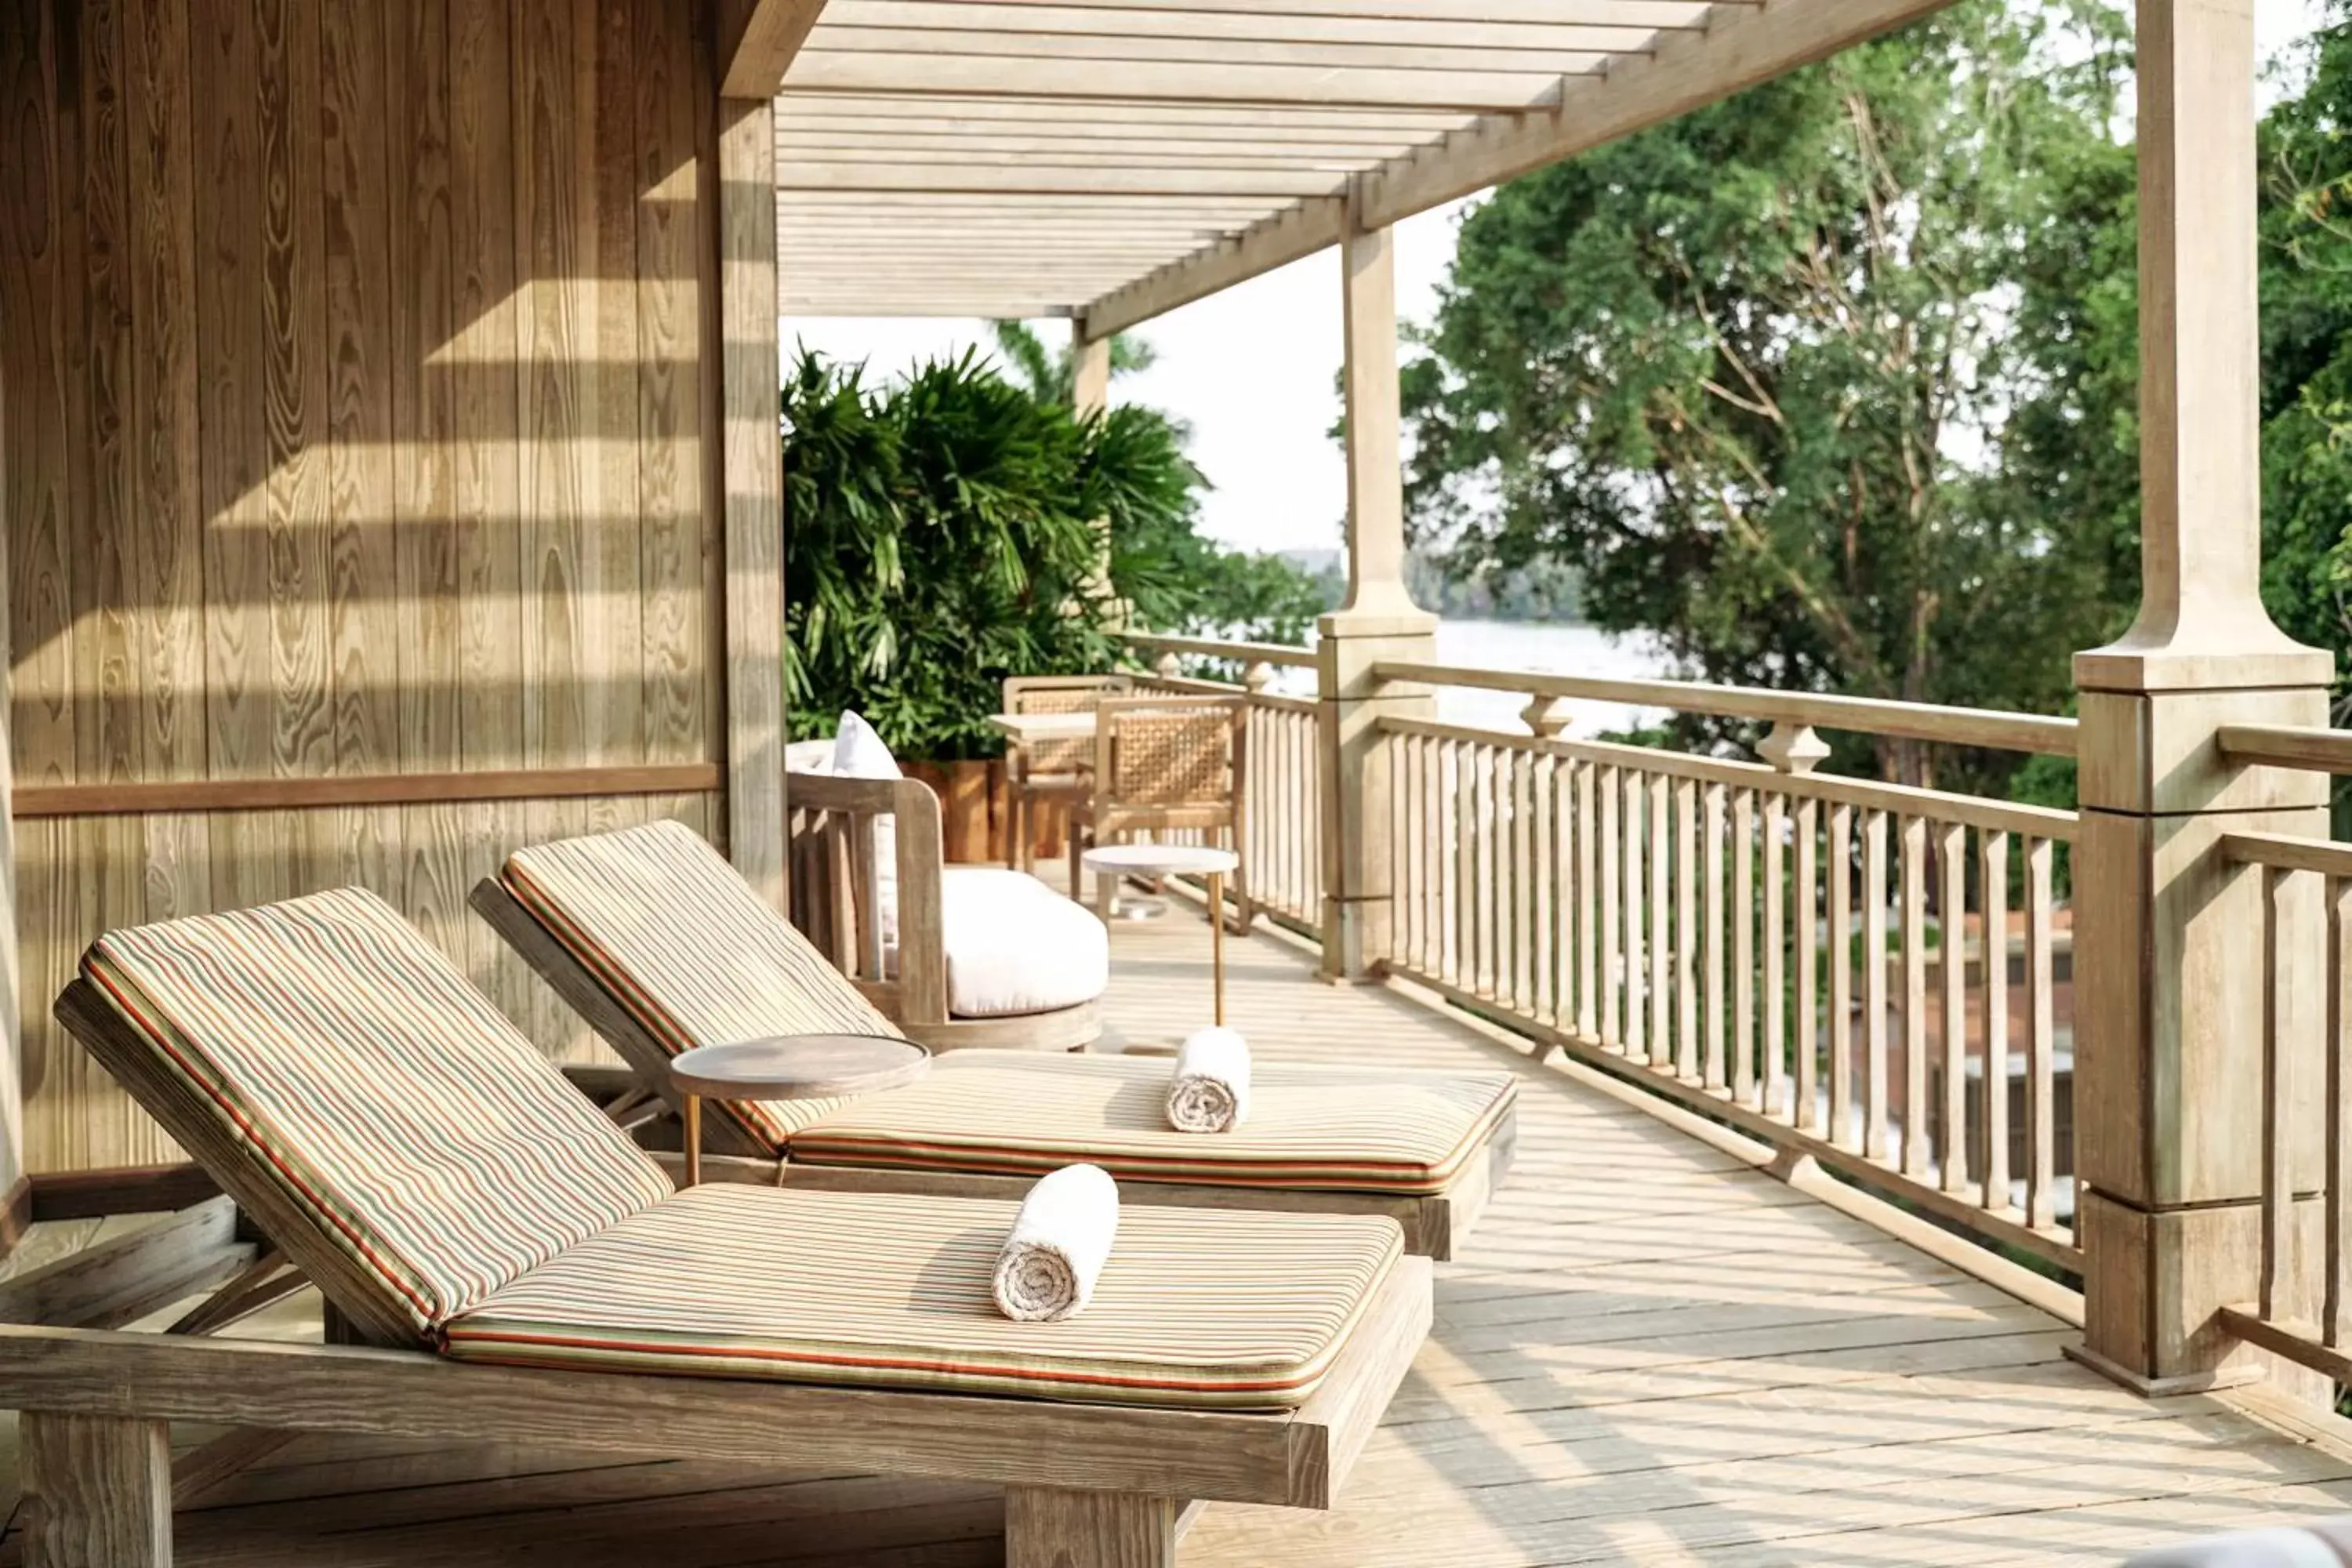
[788, 1067]
[1177, 860]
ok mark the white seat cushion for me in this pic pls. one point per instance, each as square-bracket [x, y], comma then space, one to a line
[1014, 946]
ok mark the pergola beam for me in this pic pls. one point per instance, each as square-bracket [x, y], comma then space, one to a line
[1743, 44]
[1038, 179]
[1299, 231]
[1172, 82]
[1561, 12]
[757, 40]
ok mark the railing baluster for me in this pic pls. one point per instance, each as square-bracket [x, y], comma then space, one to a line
[1490, 871]
[1874, 983]
[1589, 878]
[1743, 946]
[1523, 880]
[2339, 1113]
[1637, 1033]
[1543, 879]
[1776, 954]
[2278, 1107]
[1711, 949]
[1952, 869]
[1993, 849]
[2041, 1044]
[1461, 967]
[1806, 1111]
[1610, 896]
[1840, 872]
[1915, 995]
[1686, 906]
[1660, 823]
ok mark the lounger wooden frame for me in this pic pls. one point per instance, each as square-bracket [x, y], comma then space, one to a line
[1089, 1486]
[830, 854]
[1434, 1223]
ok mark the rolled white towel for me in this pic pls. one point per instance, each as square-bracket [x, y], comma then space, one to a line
[1060, 1240]
[1209, 1093]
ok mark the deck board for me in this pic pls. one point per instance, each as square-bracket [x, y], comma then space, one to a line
[1649, 1353]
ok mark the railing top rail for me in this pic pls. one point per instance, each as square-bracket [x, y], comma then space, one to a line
[1864, 715]
[2287, 852]
[2312, 746]
[1901, 800]
[1241, 652]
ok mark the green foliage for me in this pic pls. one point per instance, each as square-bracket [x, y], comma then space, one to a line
[945, 533]
[935, 545]
[1757, 373]
[1047, 373]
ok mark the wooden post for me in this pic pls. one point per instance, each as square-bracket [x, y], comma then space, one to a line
[2168, 961]
[1046, 1527]
[98, 1491]
[12, 1036]
[751, 484]
[1089, 371]
[1090, 395]
[1377, 621]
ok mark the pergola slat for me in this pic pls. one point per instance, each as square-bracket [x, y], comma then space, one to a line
[1171, 81]
[956, 154]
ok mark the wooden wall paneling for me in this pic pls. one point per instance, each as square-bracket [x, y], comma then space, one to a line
[611, 596]
[668, 270]
[36, 311]
[167, 581]
[555, 219]
[425, 394]
[108, 883]
[233, 429]
[488, 523]
[365, 648]
[294, 382]
[362, 628]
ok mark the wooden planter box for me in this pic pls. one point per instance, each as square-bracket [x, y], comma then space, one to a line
[975, 813]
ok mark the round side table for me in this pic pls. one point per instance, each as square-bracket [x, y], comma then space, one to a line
[787, 1066]
[1178, 860]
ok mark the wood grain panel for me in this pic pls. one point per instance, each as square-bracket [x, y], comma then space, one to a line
[356, 377]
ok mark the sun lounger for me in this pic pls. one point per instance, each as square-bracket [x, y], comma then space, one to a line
[458, 1204]
[652, 938]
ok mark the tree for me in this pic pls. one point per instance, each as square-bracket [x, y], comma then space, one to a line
[1048, 373]
[1764, 373]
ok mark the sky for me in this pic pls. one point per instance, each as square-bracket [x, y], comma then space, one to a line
[1254, 369]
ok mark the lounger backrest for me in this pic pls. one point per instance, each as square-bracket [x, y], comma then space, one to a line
[681, 941]
[361, 1074]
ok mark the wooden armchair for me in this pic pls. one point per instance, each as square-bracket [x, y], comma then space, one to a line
[1054, 769]
[837, 902]
[1162, 765]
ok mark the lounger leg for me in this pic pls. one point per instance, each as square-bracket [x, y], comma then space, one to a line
[98, 1491]
[1046, 1527]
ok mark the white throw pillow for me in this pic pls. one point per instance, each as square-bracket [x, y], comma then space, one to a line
[859, 752]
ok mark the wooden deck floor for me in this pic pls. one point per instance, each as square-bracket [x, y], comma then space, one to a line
[1649, 1353]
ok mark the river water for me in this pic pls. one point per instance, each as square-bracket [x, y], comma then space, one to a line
[1552, 647]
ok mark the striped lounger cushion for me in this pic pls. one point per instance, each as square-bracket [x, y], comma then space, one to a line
[1194, 1310]
[1354, 1128]
[421, 1132]
[681, 941]
[379, 1090]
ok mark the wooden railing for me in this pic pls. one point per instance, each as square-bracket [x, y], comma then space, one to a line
[1876, 977]
[1758, 944]
[2305, 1285]
[1282, 773]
